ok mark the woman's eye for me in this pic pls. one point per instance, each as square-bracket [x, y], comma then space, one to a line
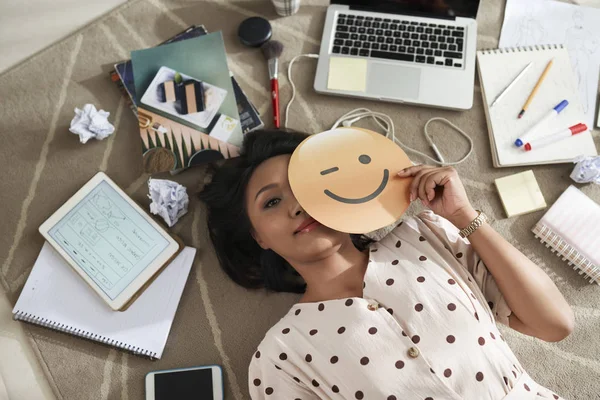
[272, 203]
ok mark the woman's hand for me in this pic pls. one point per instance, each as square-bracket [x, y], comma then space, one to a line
[441, 190]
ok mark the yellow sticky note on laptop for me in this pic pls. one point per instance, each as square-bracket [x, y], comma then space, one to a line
[346, 73]
[520, 194]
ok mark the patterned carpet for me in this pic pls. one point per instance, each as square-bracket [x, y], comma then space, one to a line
[218, 322]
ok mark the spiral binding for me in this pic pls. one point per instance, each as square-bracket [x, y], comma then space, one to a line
[568, 253]
[521, 49]
[32, 319]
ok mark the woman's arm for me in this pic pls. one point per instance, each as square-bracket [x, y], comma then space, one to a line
[539, 309]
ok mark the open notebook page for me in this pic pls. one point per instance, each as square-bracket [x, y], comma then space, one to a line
[56, 293]
[498, 69]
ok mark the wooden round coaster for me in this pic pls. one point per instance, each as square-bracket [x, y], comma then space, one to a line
[159, 159]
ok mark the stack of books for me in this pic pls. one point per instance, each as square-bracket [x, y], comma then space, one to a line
[190, 108]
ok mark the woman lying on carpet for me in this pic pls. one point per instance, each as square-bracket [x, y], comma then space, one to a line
[412, 316]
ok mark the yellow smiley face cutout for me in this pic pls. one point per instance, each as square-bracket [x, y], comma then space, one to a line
[347, 180]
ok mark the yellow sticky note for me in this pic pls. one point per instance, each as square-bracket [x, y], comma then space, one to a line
[346, 73]
[520, 193]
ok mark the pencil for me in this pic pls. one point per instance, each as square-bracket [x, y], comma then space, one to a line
[535, 89]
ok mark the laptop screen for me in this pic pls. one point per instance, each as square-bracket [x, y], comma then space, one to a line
[440, 8]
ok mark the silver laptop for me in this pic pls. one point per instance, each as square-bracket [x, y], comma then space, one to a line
[406, 51]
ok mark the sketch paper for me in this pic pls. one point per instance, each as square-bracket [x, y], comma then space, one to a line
[534, 22]
[496, 69]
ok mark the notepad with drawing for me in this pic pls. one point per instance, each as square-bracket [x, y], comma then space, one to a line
[497, 69]
[571, 229]
[55, 297]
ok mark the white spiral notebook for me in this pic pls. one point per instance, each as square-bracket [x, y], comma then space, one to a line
[56, 297]
[497, 69]
[571, 229]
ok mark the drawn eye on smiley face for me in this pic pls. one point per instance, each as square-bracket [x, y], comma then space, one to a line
[363, 159]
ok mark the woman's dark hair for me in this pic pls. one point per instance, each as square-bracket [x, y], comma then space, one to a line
[229, 226]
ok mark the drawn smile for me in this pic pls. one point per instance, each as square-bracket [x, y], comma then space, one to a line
[377, 192]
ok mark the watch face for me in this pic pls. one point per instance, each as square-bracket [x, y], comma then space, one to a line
[347, 179]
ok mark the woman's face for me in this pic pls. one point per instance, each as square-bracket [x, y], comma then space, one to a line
[278, 221]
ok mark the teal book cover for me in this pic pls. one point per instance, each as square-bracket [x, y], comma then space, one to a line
[186, 103]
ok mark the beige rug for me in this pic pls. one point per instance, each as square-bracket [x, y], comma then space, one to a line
[218, 322]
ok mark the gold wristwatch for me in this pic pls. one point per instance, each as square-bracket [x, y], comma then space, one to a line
[476, 223]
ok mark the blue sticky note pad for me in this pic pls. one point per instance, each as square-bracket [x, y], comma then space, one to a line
[109, 240]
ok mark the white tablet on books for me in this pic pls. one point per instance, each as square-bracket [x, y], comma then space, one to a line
[110, 241]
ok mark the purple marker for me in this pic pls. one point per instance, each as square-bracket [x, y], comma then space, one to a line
[553, 113]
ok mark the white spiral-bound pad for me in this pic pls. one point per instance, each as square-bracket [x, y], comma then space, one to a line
[55, 297]
[571, 229]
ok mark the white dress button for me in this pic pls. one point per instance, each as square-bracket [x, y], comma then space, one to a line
[373, 306]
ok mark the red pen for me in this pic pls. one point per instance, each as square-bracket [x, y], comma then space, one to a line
[556, 137]
[271, 51]
[275, 98]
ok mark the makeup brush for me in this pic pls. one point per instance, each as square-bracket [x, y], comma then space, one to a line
[272, 51]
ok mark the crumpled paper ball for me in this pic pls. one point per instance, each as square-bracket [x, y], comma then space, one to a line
[169, 200]
[587, 169]
[91, 123]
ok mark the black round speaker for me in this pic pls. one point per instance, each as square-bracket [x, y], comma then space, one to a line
[254, 31]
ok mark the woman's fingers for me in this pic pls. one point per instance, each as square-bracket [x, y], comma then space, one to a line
[430, 188]
[428, 183]
[412, 171]
[426, 178]
[418, 175]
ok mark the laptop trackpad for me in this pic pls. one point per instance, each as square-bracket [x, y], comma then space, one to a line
[393, 81]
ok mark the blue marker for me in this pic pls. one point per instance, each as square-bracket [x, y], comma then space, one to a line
[553, 113]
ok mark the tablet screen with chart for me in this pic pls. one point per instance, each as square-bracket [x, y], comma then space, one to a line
[110, 240]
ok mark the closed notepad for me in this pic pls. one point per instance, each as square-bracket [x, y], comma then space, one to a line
[571, 229]
[56, 297]
[497, 69]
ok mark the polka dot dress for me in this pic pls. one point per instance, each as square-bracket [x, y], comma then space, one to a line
[425, 329]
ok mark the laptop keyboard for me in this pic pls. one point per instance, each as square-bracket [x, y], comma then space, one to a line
[396, 39]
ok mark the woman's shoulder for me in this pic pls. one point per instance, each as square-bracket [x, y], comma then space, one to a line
[425, 218]
[415, 223]
[276, 337]
[425, 225]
